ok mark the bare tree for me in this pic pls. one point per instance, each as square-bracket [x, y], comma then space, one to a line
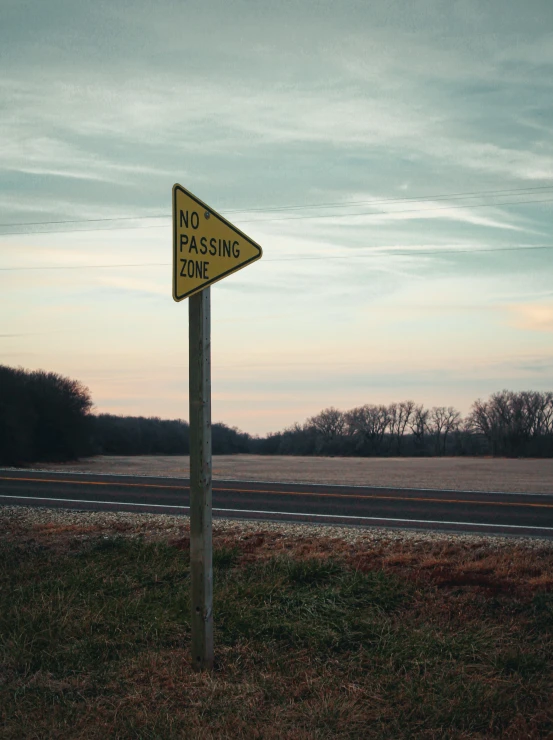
[418, 423]
[536, 408]
[400, 414]
[368, 423]
[547, 414]
[453, 423]
[483, 420]
[392, 413]
[443, 421]
[330, 423]
[509, 419]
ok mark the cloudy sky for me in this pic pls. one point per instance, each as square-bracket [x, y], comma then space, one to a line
[394, 160]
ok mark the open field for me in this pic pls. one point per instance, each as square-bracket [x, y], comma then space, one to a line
[320, 633]
[455, 473]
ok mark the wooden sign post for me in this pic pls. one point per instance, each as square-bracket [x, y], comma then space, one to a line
[206, 248]
[201, 565]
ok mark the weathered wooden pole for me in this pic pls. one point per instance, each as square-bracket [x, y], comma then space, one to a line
[201, 563]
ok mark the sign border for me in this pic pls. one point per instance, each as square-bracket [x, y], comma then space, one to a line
[176, 297]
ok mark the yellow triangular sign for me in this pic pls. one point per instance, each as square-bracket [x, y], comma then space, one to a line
[206, 247]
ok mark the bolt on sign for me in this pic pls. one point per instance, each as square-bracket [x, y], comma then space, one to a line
[206, 247]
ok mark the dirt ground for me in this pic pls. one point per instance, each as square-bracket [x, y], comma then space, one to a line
[454, 473]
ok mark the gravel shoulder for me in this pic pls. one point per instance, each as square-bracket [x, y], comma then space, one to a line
[60, 527]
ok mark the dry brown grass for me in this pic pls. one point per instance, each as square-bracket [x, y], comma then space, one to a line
[317, 636]
[456, 473]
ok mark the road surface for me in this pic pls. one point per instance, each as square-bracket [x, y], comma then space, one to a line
[523, 514]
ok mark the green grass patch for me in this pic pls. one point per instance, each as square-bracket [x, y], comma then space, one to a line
[95, 643]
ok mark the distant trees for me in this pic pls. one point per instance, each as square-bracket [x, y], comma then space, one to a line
[443, 421]
[372, 429]
[367, 426]
[379, 429]
[227, 440]
[330, 423]
[17, 417]
[418, 424]
[508, 423]
[139, 435]
[298, 439]
[43, 416]
[46, 416]
[515, 423]
[399, 417]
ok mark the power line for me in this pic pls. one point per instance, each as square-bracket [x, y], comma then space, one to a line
[344, 204]
[406, 210]
[77, 231]
[82, 267]
[440, 196]
[415, 253]
[410, 253]
[85, 220]
[298, 218]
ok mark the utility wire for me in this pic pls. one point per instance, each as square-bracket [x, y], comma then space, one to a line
[298, 218]
[440, 196]
[405, 210]
[83, 267]
[410, 253]
[344, 204]
[415, 253]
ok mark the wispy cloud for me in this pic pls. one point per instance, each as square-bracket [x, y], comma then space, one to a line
[267, 105]
[532, 316]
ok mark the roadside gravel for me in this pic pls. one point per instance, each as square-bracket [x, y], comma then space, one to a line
[23, 523]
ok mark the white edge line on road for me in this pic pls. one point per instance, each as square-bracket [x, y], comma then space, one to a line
[281, 513]
[275, 482]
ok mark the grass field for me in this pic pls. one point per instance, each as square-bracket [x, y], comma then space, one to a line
[455, 473]
[316, 636]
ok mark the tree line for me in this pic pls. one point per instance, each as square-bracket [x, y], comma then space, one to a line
[48, 417]
[509, 423]
[139, 435]
[45, 416]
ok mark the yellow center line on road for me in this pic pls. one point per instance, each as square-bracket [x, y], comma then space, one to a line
[282, 493]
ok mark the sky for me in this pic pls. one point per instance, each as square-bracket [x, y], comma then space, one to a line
[393, 159]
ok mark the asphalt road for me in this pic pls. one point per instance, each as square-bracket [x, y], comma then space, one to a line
[522, 514]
